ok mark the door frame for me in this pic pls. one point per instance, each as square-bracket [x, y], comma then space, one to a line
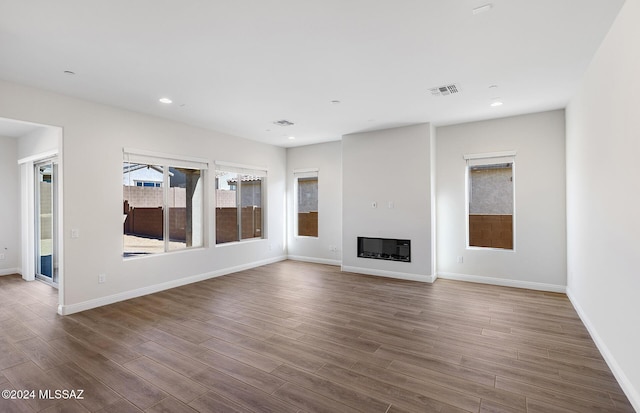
[27, 219]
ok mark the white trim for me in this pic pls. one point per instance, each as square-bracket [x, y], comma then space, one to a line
[504, 282]
[27, 220]
[310, 174]
[304, 170]
[473, 248]
[61, 228]
[158, 254]
[314, 260]
[9, 271]
[624, 382]
[164, 156]
[390, 274]
[241, 242]
[489, 155]
[39, 157]
[127, 295]
[248, 168]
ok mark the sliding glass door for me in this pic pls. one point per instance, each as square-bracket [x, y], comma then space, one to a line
[46, 222]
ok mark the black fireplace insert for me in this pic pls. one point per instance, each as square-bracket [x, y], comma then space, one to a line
[385, 249]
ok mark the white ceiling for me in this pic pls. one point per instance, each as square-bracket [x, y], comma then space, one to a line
[238, 66]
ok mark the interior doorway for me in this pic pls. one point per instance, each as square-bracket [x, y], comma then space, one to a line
[34, 241]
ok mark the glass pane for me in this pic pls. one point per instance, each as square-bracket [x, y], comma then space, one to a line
[251, 203]
[186, 205]
[308, 207]
[226, 207]
[142, 209]
[45, 220]
[491, 206]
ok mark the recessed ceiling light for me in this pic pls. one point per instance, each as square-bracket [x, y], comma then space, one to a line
[291, 138]
[482, 9]
[165, 100]
[496, 103]
[69, 72]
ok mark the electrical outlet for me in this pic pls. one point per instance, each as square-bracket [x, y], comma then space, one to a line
[75, 233]
[2, 257]
[102, 278]
[460, 259]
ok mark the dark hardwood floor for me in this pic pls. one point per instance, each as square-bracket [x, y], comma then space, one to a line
[300, 337]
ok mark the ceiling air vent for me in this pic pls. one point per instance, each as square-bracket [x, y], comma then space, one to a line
[283, 122]
[446, 90]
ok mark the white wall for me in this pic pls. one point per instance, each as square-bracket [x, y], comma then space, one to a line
[539, 258]
[603, 143]
[392, 165]
[41, 140]
[94, 136]
[9, 206]
[327, 158]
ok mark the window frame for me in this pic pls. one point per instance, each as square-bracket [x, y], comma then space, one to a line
[297, 174]
[482, 159]
[167, 161]
[239, 170]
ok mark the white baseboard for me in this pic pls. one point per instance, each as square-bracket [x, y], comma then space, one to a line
[530, 285]
[314, 260]
[390, 274]
[628, 388]
[8, 271]
[126, 295]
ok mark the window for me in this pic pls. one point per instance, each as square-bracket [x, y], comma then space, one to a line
[490, 200]
[148, 184]
[307, 202]
[163, 206]
[239, 202]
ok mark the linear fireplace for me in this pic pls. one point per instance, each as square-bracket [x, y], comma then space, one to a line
[385, 249]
